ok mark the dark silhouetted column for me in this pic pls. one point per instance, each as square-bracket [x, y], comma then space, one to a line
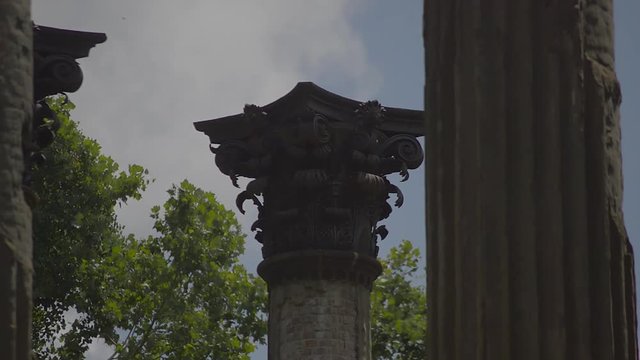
[319, 163]
[528, 257]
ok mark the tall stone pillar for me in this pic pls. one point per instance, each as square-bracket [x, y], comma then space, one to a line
[16, 102]
[35, 62]
[319, 161]
[528, 257]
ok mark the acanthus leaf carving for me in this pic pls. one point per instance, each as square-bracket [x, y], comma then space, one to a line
[322, 181]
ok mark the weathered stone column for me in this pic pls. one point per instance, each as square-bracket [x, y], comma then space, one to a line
[319, 162]
[35, 62]
[528, 257]
[15, 215]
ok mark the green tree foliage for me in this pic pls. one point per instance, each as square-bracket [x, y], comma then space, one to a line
[183, 294]
[398, 307]
[180, 294]
[74, 221]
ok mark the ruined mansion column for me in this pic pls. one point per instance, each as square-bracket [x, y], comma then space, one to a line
[35, 62]
[16, 102]
[527, 253]
[319, 163]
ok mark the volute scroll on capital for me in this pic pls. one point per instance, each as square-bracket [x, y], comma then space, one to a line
[318, 163]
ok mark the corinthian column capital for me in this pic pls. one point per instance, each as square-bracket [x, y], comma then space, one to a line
[319, 164]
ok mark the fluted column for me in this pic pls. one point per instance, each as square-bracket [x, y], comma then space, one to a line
[528, 257]
[319, 163]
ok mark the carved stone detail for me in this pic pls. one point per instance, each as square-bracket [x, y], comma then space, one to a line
[55, 52]
[55, 71]
[319, 179]
[320, 265]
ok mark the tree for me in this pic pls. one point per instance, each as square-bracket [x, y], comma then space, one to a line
[398, 307]
[181, 294]
[74, 221]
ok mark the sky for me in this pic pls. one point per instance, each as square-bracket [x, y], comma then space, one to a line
[167, 64]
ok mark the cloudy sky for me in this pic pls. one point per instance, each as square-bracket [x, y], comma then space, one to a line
[168, 63]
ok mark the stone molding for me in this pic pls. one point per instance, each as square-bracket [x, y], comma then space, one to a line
[320, 265]
[319, 163]
[54, 59]
[55, 71]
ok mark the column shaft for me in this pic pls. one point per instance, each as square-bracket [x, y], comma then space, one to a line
[319, 319]
[16, 104]
[319, 304]
[527, 257]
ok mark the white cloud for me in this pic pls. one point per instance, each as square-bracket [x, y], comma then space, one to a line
[98, 350]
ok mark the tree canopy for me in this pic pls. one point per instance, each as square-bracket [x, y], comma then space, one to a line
[181, 294]
[398, 307]
[73, 222]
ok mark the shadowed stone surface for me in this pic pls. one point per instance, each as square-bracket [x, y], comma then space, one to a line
[15, 215]
[319, 161]
[527, 253]
[319, 306]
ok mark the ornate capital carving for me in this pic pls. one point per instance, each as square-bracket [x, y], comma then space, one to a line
[318, 163]
[55, 71]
